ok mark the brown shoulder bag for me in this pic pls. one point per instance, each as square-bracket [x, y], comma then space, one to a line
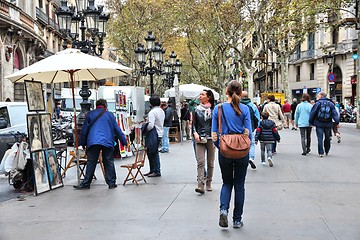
[233, 145]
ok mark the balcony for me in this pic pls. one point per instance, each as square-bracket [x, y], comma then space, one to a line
[41, 16]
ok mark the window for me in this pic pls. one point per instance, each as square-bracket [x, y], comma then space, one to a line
[41, 4]
[4, 118]
[311, 44]
[298, 73]
[335, 36]
[312, 71]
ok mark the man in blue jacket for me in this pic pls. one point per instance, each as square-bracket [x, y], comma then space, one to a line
[321, 116]
[98, 134]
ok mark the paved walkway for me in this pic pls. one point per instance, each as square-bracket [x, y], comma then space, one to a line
[301, 197]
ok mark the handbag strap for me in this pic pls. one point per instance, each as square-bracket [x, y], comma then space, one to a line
[219, 118]
[91, 124]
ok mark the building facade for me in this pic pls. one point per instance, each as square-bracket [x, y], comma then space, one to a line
[28, 33]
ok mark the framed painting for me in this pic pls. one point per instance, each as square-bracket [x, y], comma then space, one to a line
[55, 178]
[46, 132]
[33, 123]
[40, 172]
[34, 96]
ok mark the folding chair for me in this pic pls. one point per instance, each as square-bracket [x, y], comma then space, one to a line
[136, 166]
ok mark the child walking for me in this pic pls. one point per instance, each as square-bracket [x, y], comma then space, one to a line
[267, 134]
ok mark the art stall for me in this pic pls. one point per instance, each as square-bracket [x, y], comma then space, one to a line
[129, 113]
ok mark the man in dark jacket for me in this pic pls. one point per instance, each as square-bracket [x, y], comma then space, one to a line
[321, 116]
[98, 134]
[167, 124]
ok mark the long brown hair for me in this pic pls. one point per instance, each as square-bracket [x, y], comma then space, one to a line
[234, 91]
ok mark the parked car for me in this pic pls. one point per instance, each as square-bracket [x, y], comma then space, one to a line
[12, 124]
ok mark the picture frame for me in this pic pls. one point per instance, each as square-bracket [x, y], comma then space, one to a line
[41, 176]
[54, 173]
[34, 132]
[46, 132]
[34, 96]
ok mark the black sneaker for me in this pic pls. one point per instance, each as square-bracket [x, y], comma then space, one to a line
[252, 164]
[112, 186]
[81, 187]
[223, 221]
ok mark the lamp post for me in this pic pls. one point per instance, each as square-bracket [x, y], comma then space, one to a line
[90, 38]
[331, 76]
[156, 53]
[171, 68]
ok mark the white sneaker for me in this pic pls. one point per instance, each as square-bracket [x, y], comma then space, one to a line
[270, 162]
[263, 163]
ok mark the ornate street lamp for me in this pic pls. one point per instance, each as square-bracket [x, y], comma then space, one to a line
[171, 68]
[92, 27]
[84, 27]
[156, 53]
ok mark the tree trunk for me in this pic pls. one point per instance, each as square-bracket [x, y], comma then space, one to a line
[285, 76]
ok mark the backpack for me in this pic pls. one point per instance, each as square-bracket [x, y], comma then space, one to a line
[324, 113]
[254, 119]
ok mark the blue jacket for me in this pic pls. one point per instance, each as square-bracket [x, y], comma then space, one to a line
[237, 124]
[313, 115]
[247, 101]
[302, 114]
[103, 131]
[267, 132]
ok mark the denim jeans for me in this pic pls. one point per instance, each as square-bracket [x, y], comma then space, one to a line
[154, 161]
[252, 147]
[165, 139]
[92, 160]
[233, 172]
[320, 133]
[266, 147]
[305, 134]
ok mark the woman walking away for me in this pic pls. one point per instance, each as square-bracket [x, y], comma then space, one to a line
[302, 115]
[267, 134]
[235, 118]
[201, 129]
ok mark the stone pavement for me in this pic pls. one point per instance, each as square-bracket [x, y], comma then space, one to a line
[301, 197]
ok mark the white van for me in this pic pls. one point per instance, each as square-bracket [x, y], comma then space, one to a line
[66, 107]
[13, 117]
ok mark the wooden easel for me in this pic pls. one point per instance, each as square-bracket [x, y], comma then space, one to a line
[82, 164]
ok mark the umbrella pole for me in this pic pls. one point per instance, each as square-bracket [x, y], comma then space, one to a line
[76, 129]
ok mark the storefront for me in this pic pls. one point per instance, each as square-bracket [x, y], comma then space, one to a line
[297, 93]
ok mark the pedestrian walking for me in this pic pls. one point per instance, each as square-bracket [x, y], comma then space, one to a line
[169, 115]
[321, 116]
[255, 120]
[185, 121]
[235, 118]
[335, 127]
[267, 134]
[293, 109]
[155, 124]
[302, 115]
[286, 109]
[201, 129]
[97, 135]
[275, 115]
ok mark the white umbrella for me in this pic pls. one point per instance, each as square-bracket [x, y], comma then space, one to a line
[70, 64]
[190, 91]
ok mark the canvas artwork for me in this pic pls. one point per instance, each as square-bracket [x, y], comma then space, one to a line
[40, 172]
[53, 169]
[34, 96]
[46, 133]
[33, 123]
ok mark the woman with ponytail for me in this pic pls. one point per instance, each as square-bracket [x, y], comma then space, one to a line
[235, 119]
